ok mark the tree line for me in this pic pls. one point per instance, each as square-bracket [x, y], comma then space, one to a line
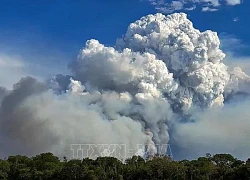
[46, 166]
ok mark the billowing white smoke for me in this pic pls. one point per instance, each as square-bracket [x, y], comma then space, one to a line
[163, 75]
[150, 147]
[192, 56]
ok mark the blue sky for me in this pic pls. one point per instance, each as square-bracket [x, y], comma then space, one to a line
[46, 35]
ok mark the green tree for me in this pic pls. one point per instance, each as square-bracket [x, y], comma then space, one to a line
[45, 166]
[4, 169]
[19, 167]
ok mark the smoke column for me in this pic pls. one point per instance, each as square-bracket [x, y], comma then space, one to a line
[163, 74]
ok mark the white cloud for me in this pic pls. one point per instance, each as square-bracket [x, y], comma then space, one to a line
[214, 3]
[236, 19]
[190, 8]
[177, 4]
[169, 6]
[233, 2]
[208, 9]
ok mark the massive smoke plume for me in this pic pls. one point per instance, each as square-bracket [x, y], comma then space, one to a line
[163, 74]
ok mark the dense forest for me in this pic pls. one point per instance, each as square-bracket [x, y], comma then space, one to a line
[47, 166]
